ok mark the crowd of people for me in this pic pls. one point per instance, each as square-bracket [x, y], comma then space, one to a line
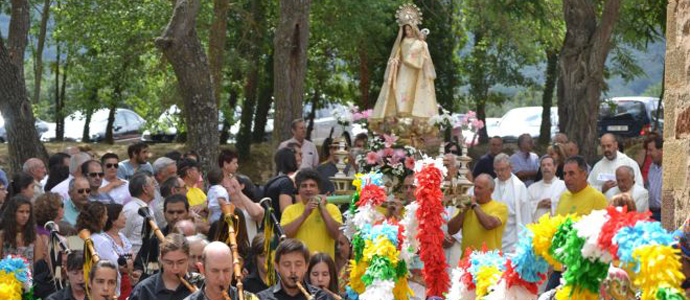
[114, 199]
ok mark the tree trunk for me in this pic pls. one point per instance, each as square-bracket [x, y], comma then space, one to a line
[479, 87]
[86, 135]
[233, 98]
[112, 109]
[265, 101]
[547, 96]
[244, 138]
[364, 78]
[60, 104]
[182, 48]
[290, 66]
[38, 59]
[59, 120]
[22, 138]
[581, 63]
[216, 45]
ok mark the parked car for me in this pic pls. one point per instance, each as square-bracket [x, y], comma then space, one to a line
[324, 121]
[629, 117]
[126, 126]
[524, 120]
[41, 127]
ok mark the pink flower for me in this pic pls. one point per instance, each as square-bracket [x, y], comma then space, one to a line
[471, 114]
[400, 153]
[367, 113]
[478, 124]
[388, 152]
[394, 159]
[372, 158]
[409, 163]
[389, 140]
[357, 116]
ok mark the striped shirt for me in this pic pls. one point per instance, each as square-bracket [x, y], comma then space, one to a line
[654, 182]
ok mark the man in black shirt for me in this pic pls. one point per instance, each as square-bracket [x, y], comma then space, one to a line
[75, 274]
[486, 162]
[166, 285]
[291, 259]
[146, 262]
[217, 267]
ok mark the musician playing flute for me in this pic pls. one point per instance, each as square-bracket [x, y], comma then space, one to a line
[102, 281]
[291, 258]
[217, 267]
[166, 284]
[75, 273]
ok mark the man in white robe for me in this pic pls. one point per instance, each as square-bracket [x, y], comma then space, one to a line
[603, 175]
[512, 192]
[544, 194]
[626, 184]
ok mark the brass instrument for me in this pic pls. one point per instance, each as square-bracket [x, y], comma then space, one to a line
[161, 238]
[304, 291]
[229, 216]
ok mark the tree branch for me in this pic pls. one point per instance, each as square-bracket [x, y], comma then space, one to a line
[182, 22]
[602, 35]
[19, 28]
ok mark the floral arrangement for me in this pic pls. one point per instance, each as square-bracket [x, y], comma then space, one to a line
[15, 278]
[385, 156]
[446, 120]
[350, 114]
[585, 247]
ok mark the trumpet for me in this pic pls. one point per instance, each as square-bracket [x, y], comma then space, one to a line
[143, 211]
[304, 291]
[229, 216]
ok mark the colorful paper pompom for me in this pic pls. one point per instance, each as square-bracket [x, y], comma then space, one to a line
[619, 217]
[659, 267]
[569, 292]
[373, 195]
[487, 276]
[589, 228]
[530, 267]
[643, 233]
[543, 232]
[10, 287]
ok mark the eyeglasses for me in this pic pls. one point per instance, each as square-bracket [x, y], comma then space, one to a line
[108, 166]
[84, 191]
[97, 174]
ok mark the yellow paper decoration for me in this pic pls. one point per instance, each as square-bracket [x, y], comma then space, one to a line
[358, 182]
[487, 277]
[568, 292]
[659, 267]
[382, 247]
[10, 288]
[402, 290]
[544, 230]
[356, 274]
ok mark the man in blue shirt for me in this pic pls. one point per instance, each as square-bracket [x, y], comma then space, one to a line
[79, 191]
[138, 154]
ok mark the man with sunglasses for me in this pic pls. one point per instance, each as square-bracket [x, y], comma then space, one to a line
[116, 188]
[79, 191]
[93, 171]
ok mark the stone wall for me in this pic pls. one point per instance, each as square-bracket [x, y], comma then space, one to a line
[676, 167]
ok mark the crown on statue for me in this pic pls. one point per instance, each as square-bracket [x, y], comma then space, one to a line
[408, 14]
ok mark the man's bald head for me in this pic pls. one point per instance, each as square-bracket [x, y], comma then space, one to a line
[609, 145]
[487, 179]
[185, 227]
[216, 251]
[35, 167]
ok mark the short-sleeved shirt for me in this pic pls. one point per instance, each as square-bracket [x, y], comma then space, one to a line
[195, 196]
[313, 231]
[215, 192]
[153, 287]
[281, 185]
[474, 235]
[582, 202]
[119, 194]
[525, 162]
[71, 212]
[126, 169]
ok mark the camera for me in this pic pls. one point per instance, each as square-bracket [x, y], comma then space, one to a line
[122, 260]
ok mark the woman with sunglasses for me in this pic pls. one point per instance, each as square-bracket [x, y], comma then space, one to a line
[116, 188]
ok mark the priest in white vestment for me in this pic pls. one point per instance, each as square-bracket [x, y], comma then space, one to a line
[512, 192]
[544, 194]
[626, 184]
[603, 175]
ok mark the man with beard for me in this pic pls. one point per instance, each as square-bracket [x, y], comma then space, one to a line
[75, 276]
[603, 175]
[544, 194]
[291, 260]
[217, 267]
[138, 154]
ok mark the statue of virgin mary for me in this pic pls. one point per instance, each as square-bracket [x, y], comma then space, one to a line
[408, 83]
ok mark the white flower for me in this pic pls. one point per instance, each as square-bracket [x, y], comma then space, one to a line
[426, 160]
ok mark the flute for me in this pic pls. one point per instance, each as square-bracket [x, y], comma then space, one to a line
[85, 235]
[304, 291]
[334, 295]
[143, 211]
[229, 215]
[268, 208]
[225, 294]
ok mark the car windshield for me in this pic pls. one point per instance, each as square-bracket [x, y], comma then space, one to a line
[610, 109]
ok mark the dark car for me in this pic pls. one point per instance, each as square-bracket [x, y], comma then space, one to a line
[629, 117]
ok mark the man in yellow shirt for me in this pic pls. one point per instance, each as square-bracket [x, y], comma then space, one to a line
[482, 222]
[188, 170]
[580, 198]
[312, 220]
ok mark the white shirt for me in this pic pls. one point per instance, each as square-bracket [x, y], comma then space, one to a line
[119, 194]
[541, 190]
[215, 192]
[513, 193]
[607, 168]
[62, 188]
[639, 194]
[135, 222]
